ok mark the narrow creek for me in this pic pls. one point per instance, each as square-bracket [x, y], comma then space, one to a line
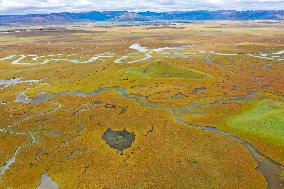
[12, 160]
[29, 134]
[270, 169]
[9, 162]
[163, 51]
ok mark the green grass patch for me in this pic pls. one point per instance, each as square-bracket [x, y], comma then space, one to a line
[164, 70]
[265, 120]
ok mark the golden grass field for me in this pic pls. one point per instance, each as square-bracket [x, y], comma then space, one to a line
[81, 79]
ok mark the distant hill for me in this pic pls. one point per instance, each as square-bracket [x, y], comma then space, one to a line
[66, 17]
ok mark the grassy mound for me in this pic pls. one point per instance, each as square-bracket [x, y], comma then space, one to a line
[163, 70]
[265, 120]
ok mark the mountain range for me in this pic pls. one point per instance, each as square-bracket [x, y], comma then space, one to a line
[119, 16]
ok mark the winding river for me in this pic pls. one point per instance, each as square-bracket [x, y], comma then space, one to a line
[270, 169]
[167, 52]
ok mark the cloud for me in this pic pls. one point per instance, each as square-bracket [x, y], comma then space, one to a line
[48, 6]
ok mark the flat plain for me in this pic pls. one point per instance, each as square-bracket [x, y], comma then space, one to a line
[115, 106]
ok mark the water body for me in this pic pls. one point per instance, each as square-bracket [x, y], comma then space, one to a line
[35, 58]
[22, 97]
[7, 58]
[9, 162]
[12, 160]
[159, 50]
[10, 82]
[138, 47]
[47, 183]
[270, 169]
[74, 61]
[119, 60]
[22, 57]
[208, 59]
[147, 56]
[267, 167]
[178, 95]
[43, 97]
[274, 56]
[29, 134]
[123, 59]
[162, 51]
[199, 89]
[279, 52]
[119, 140]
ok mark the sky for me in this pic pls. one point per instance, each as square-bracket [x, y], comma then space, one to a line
[51, 6]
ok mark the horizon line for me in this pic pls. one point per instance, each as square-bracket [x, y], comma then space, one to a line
[166, 11]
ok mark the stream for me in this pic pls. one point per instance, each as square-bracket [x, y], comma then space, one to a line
[163, 51]
[270, 169]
